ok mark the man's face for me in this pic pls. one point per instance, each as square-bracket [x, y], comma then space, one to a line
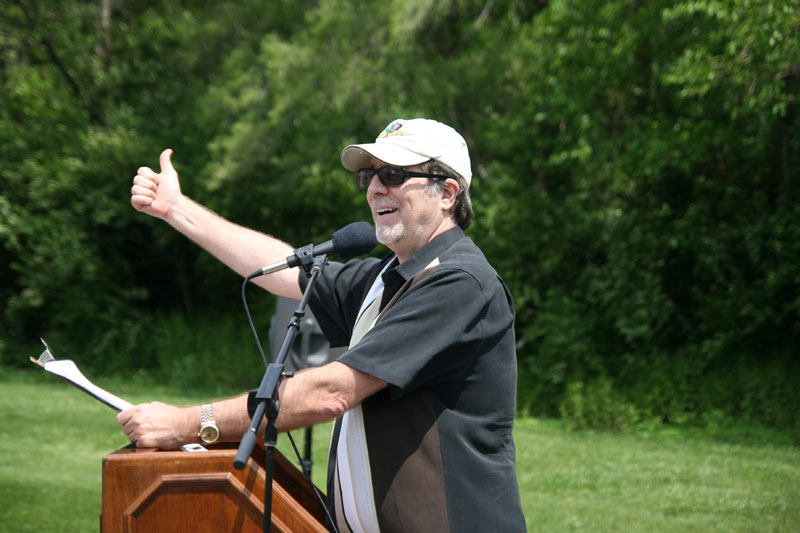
[406, 216]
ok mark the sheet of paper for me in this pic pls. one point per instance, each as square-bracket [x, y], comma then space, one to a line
[67, 369]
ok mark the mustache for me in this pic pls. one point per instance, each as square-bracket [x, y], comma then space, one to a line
[382, 204]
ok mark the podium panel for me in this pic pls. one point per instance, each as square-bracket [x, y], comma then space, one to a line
[146, 490]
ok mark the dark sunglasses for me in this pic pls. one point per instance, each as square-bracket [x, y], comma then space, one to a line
[389, 176]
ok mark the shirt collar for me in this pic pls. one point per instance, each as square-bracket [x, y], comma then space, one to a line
[423, 257]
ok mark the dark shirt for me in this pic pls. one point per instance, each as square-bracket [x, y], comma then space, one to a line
[439, 436]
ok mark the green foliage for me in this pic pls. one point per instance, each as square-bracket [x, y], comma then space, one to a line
[650, 145]
[207, 352]
[635, 177]
[81, 111]
[595, 405]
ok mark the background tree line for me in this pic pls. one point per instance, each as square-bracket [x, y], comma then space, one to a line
[635, 180]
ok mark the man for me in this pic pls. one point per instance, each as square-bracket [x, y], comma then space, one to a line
[425, 395]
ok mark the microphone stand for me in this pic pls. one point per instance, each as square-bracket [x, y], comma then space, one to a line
[268, 404]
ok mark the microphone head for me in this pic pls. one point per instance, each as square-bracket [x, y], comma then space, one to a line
[354, 239]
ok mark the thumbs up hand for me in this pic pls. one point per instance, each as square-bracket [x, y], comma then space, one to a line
[155, 193]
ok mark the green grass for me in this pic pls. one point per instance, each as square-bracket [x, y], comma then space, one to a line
[655, 481]
[724, 478]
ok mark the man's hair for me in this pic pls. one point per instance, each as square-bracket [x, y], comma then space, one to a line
[462, 210]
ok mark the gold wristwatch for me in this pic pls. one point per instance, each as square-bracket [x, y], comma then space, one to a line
[209, 432]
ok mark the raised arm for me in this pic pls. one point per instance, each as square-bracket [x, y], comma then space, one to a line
[244, 250]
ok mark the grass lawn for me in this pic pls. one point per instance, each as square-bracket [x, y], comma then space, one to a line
[661, 480]
[728, 478]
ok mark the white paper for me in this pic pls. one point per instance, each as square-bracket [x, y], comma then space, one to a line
[66, 369]
[193, 448]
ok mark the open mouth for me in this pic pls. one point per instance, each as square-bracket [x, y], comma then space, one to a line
[385, 211]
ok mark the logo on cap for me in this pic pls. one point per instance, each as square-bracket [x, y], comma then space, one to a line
[392, 129]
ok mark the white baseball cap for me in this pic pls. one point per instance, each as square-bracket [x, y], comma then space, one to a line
[411, 142]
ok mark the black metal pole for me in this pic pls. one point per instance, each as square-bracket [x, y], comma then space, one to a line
[268, 404]
[270, 441]
[307, 462]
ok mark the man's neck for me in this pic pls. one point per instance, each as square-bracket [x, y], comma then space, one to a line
[404, 254]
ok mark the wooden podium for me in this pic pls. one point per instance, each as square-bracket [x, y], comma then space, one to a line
[148, 490]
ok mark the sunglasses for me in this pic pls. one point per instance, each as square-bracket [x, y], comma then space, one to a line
[389, 176]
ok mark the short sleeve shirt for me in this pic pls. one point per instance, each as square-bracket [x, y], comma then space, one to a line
[440, 443]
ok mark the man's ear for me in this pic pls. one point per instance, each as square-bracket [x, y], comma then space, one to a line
[449, 194]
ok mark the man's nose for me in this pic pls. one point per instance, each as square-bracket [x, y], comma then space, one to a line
[376, 186]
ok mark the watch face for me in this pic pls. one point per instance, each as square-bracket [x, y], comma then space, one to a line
[209, 433]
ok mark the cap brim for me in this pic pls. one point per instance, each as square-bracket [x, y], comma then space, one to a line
[358, 156]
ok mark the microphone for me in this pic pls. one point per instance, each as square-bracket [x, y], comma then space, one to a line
[350, 241]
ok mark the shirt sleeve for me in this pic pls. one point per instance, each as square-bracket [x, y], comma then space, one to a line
[430, 335]
[337, 297]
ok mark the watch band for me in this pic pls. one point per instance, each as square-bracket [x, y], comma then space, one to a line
[206, 414]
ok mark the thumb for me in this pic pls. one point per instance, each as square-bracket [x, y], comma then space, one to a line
[166, 162]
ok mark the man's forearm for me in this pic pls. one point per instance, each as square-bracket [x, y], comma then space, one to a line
[242, 249]
[312, 396]
[322, 393]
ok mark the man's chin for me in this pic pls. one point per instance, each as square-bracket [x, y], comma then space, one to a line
[388, 235]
